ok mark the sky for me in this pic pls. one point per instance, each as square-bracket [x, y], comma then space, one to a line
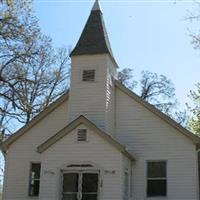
[145, 35]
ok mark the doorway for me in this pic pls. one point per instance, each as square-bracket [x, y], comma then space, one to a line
[80, 185]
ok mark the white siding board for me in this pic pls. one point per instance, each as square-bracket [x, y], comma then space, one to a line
[150, 138]
[95, 99]
[23, 151]
[97, 151]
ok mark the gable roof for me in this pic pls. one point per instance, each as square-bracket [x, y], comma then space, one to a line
[75, 123]
[4, 145]
[195, 139]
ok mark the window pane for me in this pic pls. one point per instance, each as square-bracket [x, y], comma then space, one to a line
[34, 188]
[70, 182]
[90, 183]
[34, 179]
[156, 169]
[35, 170]
[89, 197]
[156, 188]
[69, 197]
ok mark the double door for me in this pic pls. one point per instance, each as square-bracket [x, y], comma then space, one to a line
[82, 185]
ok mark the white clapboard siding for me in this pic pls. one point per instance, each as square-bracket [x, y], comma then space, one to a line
[92, 99]
[150, 138]
[23, 151]
[68, 150]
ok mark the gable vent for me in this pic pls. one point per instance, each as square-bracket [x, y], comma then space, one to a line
[88, 75]
[82, 135]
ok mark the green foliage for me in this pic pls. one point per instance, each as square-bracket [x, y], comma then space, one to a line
[194, 124]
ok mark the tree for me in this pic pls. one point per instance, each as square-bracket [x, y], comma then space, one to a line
[194, 123]
[125, 76]
[32, 73]
[156, 89]
[192, 16]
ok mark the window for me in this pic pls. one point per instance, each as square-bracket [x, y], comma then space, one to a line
[34, 184]
[88, 75]
[156, 178]
[82, 135]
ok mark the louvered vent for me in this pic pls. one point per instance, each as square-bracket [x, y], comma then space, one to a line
[82, 135]
[88, 75]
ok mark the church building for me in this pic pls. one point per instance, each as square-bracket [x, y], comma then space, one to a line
[100, 141]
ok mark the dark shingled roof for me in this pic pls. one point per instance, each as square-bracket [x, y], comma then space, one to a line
[94, 38]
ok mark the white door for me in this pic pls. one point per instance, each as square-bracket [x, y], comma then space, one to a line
[80, 185]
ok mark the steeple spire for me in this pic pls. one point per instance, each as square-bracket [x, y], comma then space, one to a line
[94, 38]
[96, 5]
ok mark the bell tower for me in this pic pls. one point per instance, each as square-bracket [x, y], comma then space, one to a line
[93, 71]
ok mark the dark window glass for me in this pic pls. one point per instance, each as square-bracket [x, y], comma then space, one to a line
[34, 179]
[35, 172]
[157, 188]
[89, 186]
[72, 189]
[70, 183]
[156, 169]
[89, 197]
[90, 183]
[156, 178]
[88, 75]
[69, 197]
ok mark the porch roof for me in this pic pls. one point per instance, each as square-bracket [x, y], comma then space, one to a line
[83, 120]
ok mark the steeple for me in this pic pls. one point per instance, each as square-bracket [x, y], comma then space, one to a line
[93, 71]
[94, 38]
[96, 5]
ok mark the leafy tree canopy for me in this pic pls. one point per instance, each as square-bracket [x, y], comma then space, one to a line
[195, 122]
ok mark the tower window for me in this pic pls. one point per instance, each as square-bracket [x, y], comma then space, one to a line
[88, 75]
